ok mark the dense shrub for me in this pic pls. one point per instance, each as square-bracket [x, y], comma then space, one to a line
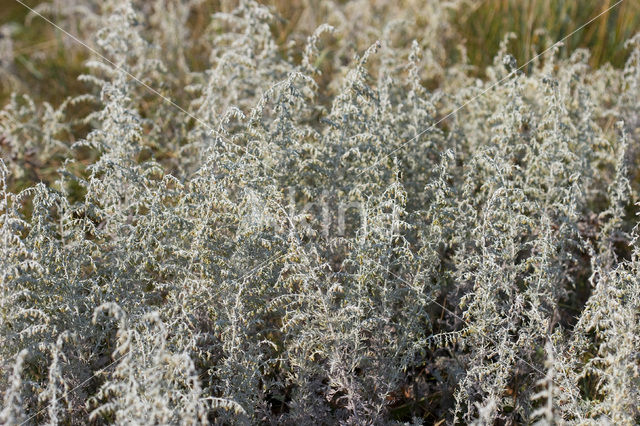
[251, 241]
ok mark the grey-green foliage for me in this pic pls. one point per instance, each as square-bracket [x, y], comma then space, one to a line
[284, 250]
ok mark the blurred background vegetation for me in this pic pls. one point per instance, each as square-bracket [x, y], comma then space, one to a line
[46, 66]
[485, 23]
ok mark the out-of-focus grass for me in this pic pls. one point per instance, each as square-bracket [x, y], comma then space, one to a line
[43, 65]
[486, 22]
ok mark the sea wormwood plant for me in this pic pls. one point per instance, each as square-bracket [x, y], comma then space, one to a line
[313, 231]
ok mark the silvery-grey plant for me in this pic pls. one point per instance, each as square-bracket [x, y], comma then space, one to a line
[272, 247]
